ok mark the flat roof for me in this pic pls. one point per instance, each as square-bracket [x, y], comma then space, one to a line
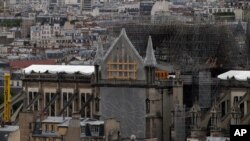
[53, 69]
[58, 119]
[83, 122]
[240, 75]
[9, 128]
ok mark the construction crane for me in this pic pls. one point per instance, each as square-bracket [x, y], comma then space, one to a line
[7, 107]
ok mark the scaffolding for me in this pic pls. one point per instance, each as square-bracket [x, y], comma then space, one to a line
[189, 46]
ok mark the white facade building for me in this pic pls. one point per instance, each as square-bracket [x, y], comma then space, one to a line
[44, 31]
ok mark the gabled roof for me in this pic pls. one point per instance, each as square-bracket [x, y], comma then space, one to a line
[99, 53]
[121, 39]
[150, 56]
[196, 107]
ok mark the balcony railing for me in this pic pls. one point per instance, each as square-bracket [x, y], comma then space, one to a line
[57, 77]
[36, 77]
[134, 83]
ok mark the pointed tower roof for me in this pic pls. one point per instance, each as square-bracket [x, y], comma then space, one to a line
[196, 106]
[99, 53]
[150, 56]
[239, 30]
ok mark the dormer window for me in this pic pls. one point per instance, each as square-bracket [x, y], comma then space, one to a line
[95, 130]
[83, 129]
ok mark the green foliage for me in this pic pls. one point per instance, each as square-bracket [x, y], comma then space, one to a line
[224, 14]
[11, 22]
[73, 21]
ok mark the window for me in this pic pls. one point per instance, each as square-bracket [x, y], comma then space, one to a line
[95, 128]
[97, 100]
[210, 10]
[82, 98]
[82, 129]
[236, 99]
[52, 128]
[147, 105]
[30, 96]
[46, 128]
[36, 104]
[30, 125]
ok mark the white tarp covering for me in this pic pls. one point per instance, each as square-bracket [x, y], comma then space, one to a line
[241, 75]
[53, 69]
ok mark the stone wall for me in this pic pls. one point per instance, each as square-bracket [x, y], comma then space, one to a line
[126, 105]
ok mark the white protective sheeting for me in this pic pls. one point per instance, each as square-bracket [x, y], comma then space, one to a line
[53, 69]
[240, 75]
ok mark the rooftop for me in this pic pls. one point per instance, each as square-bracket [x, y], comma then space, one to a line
[9, 128]
[56, 119]
[20, 64]
[240, 75]
[53, 69]
[64, 121]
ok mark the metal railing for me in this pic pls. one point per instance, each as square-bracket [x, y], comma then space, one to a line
[57, 77]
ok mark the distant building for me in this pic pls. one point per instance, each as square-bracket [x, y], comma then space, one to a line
[52, 19]
[50, 37]
[44, 31]
[25, 26]
[61, 128]
[68, 129]
[146, 6]
[219, 10]
[86, 5]
[160, 12]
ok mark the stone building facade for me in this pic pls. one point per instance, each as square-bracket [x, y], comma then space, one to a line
[133, 93]
[121, 85]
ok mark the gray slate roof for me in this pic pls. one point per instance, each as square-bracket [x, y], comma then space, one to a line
[123, 39]
[150, 56]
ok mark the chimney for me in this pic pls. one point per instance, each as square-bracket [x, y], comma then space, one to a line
[177, 73]
[76, 116]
